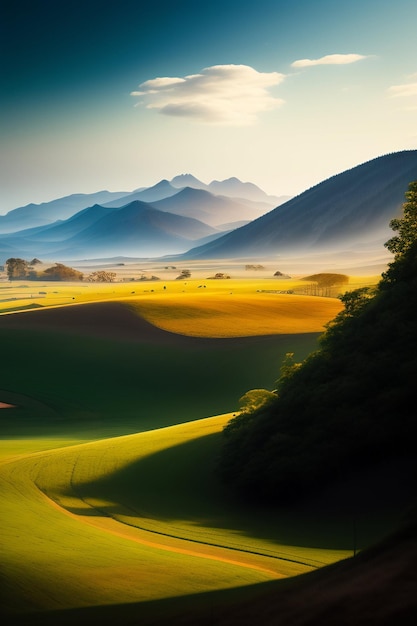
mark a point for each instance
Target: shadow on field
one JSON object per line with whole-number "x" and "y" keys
{"x": 376, "y": 588}
{"x": 102, "y": 365}
{"x": 179, "y": 487}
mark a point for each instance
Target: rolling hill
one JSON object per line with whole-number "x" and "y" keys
{"x": 349, "y": 209}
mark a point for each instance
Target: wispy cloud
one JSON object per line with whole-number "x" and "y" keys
{"x": 404, "y": 90}
{"x": 330, "y": 59}
{"x": 221, "y": 94}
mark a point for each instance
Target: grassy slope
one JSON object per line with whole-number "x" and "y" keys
{"x": 86, "y": 559}
{"x": 68, "y": 563}
{"x": 77, "y": 561}
{"x": 108, "y": 561}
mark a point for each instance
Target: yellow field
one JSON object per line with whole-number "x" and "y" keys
{"x": 205, "y": 308}
{"x": 237, "y": 315}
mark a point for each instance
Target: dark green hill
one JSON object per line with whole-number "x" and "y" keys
{"x": 350, "y": 405}
{"x": 100, "y": 363}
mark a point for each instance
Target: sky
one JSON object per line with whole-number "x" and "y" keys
{"x": 119, "y": 95}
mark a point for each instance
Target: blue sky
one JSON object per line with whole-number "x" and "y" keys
{"x": 117, "y": 95}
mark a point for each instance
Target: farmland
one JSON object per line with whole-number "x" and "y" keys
{"x": 109, "y": 490}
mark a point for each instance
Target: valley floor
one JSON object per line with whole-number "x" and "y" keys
{"x": 99, "y": 524}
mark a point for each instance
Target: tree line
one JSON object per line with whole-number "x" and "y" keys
{"x": 20, "y": 269}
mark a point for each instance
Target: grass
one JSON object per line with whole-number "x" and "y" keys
{"x": 83, "y": 561}
{"x": 64, "y": 563}
{"x": 147, "y": 521}
{"x": 85, "y": 381}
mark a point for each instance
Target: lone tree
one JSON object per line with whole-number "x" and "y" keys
{"x": 184, "y": 274}
{"x": 322, "y": 284}
{"x": 17, "y": 269}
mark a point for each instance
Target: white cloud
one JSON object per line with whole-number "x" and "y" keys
{"x": 406, "y": 90}
{"x": 403, "y": 91}
{"x": 222, "y": 94}
{"x": 329, "y": 59}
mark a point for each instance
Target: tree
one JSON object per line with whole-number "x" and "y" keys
{"x": 101, "y": 277}
{"x": 61, "y": 272}
{"x": 184, "y": 274}
{"x": 323, "y": 283}
{"x": 17, "y": 269}
{"x": 255, "y": 399}
{"x": 406, "y": 225}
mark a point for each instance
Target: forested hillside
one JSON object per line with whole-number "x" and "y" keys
{"x": 351, "y": 404}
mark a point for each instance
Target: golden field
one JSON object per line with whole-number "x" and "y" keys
{"x": 197, "y": 307}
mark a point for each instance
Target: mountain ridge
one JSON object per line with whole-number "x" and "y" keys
{"x": 136, "y": 228}
{"x": 349, "y": 208}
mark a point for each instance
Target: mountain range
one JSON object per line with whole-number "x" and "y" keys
{"x": 224, "y": 219}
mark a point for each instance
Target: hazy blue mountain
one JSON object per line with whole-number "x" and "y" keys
{"x": 136, "y": 229}
{"x": 234, "y": 188}
{"x": 187, "y": 180}
{"x": 350, "y": 208}
{"x": 33, "y": 215}
{"x": 163, "y": 189}
{"x": 73, "y": 225}
{"x": 139, "y": 229}
{"x": 45, "y": 240}
{"x": 208, "y": 208}
{"x": 36, "y": 215}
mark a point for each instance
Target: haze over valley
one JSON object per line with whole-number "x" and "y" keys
{"x": 225, "y": 219}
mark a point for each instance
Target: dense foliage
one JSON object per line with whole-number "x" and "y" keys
{"x": 351, "y": 403}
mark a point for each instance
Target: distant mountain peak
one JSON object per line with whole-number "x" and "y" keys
{"x": 187, "y": 180}
{"x": 232, "y": 179}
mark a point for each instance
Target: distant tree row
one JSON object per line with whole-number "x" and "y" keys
{"x": 20, "y": 269}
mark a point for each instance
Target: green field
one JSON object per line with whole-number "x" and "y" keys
{"x": 109, "y": 495}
